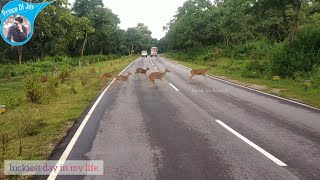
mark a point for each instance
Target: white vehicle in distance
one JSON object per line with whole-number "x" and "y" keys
{"x": 154, "y": 51}
{"x": 144, "y": 53}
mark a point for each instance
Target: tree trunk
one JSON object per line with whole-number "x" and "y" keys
{"x": 20, "y": 54}
{"x": 226, "y": 40}
{"x": 84, "y": 44}
{"x": 131, "y": 49}
{"x": 295, "y": 24}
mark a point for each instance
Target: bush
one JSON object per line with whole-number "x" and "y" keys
{"x": 34, "y": 90}
{"x": 254, "y": 69}
{"x": 315, "y": 78}
{"x": 12, "y": 102}
{"x": 64, "y": 75}
{"x": 52, "y": 84}
{"x": 300, "y": 55}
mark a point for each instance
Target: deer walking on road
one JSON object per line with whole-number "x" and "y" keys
{"x": 142, "y": 71}
{"x": 124, "y": 78}
{"x": 156, "y": 75}
{"x": 202, "y": 72}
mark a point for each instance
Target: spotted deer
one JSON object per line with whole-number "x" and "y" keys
{"x": 124, "y": 78}
{"x": 156, "y": 75}
{"x": 142, "y": 71}
{"x": 109, "y": 74}
{"x": 202, "y": 72}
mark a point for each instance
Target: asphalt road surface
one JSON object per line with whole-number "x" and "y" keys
{"x": 207, "y": 129}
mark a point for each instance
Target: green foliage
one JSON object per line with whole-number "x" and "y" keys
{"x": 301, "y": 55}
{"x": 64, "y": 75}
{"x": 255, "y": 68}
{"x": 12, "y": 102}
{"x": 89, "y": 28}
{"x": 315, "y": 77}
{"x": 33, "y": 89}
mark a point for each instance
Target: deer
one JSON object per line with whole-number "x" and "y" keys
{"x": 109, "y": 75}
{"x": 157, "y": 75}
{"x": 124, "y": 78}
{"x": 142, "y": 71}
{"x": 202, "y": 72}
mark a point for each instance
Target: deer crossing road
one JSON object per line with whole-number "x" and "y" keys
{"x": 204, "y": 129}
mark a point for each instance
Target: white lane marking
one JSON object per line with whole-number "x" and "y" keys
{"x": 53, "y": 175}
{"x": 174, "y": 87}
{"x": 278, "y": 97}
{"x": 270, "y": 156}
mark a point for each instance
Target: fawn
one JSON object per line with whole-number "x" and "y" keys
{"x": 157, "y": 75}
{"x": 124, "y": 78}
{"x": 202, "y": 72}
{"x": 142, "y": 71}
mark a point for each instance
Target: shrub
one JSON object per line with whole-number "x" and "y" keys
{"x": 85, "y": 78}
{"x": 315, "y": 78}
{"x": 34, "y": 90}
{"x": 52, "y": 84}
{"x": 64, "y": 75}
{"x": 12, "y": 102}
{"x": 254, "y": 69}
{"x": 301, "y": 55}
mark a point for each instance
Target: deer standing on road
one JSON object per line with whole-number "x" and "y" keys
{"x": 157, "y": 75}
{"x": 202, "y": 72}
{"x": 142, "y": 71}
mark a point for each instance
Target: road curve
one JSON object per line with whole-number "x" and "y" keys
{"x": 207, "y": 129}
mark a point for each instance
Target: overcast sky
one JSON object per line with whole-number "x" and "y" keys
{"x": 153, "y": 13}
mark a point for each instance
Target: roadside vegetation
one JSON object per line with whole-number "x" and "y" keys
{"x": 44, "y": 104}
{"x": 273, "y": 46}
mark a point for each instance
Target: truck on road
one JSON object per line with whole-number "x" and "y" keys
{"x": 154, "y": 52}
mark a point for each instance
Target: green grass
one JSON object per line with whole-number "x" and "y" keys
{"x": 233, "y": 70}
{"x": 41, "y": 126}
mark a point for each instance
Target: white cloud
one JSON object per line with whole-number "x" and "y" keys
{"x": 153, "y": 13}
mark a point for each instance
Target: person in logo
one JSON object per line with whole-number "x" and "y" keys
{"x": 17, "y": 32}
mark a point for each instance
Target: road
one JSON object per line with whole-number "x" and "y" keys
{"x": 207, "y": 129}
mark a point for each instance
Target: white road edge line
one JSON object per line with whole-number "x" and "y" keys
{"x": 289, "y": 100}
{"x": 262, "y": 151}
{"x": 53, "y": 175}
{"x": 175, "y": 88}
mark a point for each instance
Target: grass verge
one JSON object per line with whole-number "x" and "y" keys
{"x": 233, "y": 70}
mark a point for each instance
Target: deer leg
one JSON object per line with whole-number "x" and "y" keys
{"x": 149, "y": 83}
{"x": 129, "y": 83}
{"x": 137, "y": 74}
{"x": 116, "y": 83}
{"x": 205, "y": 78}
{"x": 154, "y": 84}
{"x": 190, "y": 78}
